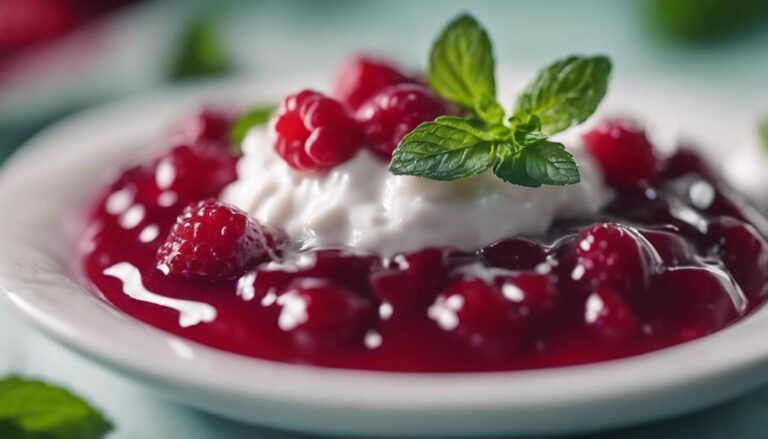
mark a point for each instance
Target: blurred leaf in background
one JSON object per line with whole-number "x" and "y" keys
{"x": 33, "y": 409}
{"x": 763, "y": 128}
{"x": 201, "y": 52}
{"x": 707, "y": 20}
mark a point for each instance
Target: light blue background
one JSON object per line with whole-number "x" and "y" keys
{"x": 275, "y": 38}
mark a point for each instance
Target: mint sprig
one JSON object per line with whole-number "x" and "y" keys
{"x": 518, "y": 149}
{"x": 446, "y": 149}
{"x": 461, "y": 67}
{"x": 566, "y": 93}
{"x": 33, "y": 409}
{"x": 543, "y": 162}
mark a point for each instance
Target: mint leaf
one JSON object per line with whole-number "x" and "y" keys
{"x": 567, "y": 92}
{"x": 35, "y": 409}
{"x": 446, "y": 149}
{"x": 461, "y": 68}
{"x": 252, "y": 118}
{"x": 549, "y": 163}
{"x": 510, "y": 166}
{"x": 200, "y": 52}
{"x": 527, "y": 129}
{"x": 489, "y": 110}
{"x": 545, "y": 162}
{"x": 529, "y": 137}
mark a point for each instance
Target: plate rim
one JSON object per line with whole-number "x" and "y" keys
{"x": 397, "y": 392}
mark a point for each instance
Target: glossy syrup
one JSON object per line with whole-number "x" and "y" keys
{"x": 699, "y": 234}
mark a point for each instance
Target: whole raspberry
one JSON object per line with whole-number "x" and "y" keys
{"x": 480, "y": 316}
{"x": 208, "y": 125}
{"x": 609, "y": 316}
{"x": 159, "y": 188}
{"x": 534, "y": 293}
{"x": 395, "y": 111}
{"x": 624, "y": 153}
{"x": 362, "y": 77}
{"x": 744, "y": 253}
{"x": 615, "y": 255}
{"x": 686, "y": 161}
{"x": 320, "y": 315}
{"x": 690, "y": 302}
{"x": 314, "y": 132}
{"x": 192, "y": 173}
{"x": 672, "y": 248}
{"x": 514, "y": 254}
{"x": 408, "y": 287}
{"x": 217, "y": 241}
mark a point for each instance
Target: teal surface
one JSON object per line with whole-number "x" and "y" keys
{"x": 278, "y": 38}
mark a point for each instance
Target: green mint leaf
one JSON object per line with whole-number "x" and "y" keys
{"x": 200, "y": 52}
{"x": 461, "y": 67}
{"x": 526, "y": 138}
{"x": 36, "y": 409}
{"x": 489, "y": 110}
{"x": 461, "y": 70}
{"x": 252, "y": 118}
{"x": 527, "y": 129}
{"x": 764, "y": 132}
{"x": 510, "y": 166}
{"x": 567, "y": 92}
{"x": 445, "y": 149}
{"x": 542, "y": 163}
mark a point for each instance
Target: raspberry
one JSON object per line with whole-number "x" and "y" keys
{"x": 136, "y": 186}
{"x": 690, "y": 300}
{"x": 623, "y": 152}
{"x": 614, "y": 255}
{"x": 343, "y": 267}
{"x": 562, "y": 262}
{"x": 395, "y": 111}
{"x": 320, "y": 315}
{"x": 209, "y": 125}
{"x": 481, "y": 317}
{"x": 347, "y": 268}
{"x": 686, "y": 161}
{"x": 672, "y": 248}
{"x": 427, "y": 267}
{"x": 515, "y": 254}
{"x": 609, "y": 316}
{"x": 411, "y": 286}
{"x": 744, "y": 252}
{"x": 264, "y": 285}
{"x": 535, "y": 294}
{"x": 214, "y": 240}
{"x": 193, "y": 173}
{"x": 314, "y": 132}
{"x": 161, "y": 187}
{"x": 362, "y": 77}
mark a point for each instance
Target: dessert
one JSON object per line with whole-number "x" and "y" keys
{"x": 400, "y": 226}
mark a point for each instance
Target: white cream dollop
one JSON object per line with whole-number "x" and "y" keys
{"x": 360, "y": 204}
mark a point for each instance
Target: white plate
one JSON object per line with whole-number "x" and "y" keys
{"x": 42, "y": 193}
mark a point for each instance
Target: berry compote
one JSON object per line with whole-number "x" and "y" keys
{"x": 673, "y": 257}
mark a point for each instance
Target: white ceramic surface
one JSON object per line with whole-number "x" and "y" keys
{"x": 42, "y": 193}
